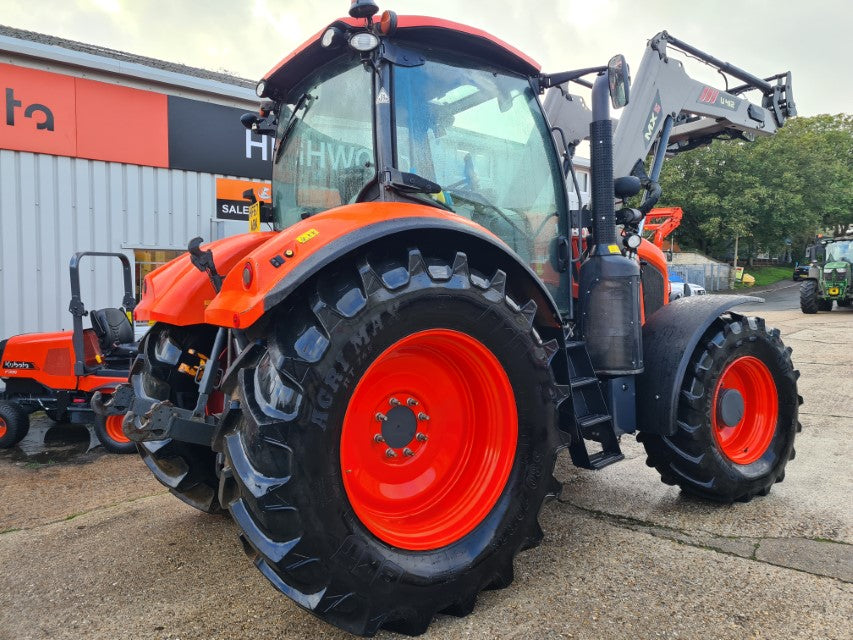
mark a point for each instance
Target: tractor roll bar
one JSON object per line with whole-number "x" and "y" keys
{"x": 78, "y": 309}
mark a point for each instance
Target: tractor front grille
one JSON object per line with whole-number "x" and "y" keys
{"x": 652, "y": 281}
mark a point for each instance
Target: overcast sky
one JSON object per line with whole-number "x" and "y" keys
{"x": 247, "y": 37}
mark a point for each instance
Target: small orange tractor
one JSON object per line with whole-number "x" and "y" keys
{"x": 59, "y": 372}
{"x": 376, "y": 389}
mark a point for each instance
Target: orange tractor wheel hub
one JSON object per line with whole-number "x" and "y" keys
{"x": 429, "y": 439}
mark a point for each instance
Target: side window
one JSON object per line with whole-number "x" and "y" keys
{"x": 326, "y": 156}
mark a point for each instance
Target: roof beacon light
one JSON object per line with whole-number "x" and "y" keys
{"x": 388, "y": 23}
{"x": 363, "y": 8}
{"x": 364, "y": 42}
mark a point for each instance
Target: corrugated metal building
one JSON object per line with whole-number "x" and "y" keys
{"x": 101, "y": 150}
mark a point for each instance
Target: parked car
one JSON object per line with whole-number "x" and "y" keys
{"x": 801, "y": 270}
{"x": 683, "y": 289}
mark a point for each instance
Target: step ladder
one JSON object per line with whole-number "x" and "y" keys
{"x": 592, "y": 419}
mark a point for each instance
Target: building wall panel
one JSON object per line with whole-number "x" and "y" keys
{"x": 53, "y": 206}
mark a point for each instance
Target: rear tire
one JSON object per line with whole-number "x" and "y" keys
{"x": 109, "y": 433}
{"x": 302, "y": 464}
{"x": 14, "y": 424}
{"x": 189, "y": 471}
{"x": 705, "y": 456}
{"x": 844, "y": 303}
{"x": 808, "y": 296}
{"x": 824, "y": 305}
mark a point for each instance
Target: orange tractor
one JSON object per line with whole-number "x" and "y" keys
{"x": 377, "y": 388}
{"x": 60, "y": 372}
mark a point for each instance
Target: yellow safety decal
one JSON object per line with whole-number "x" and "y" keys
{"x": 254, "y": 217}
{"x": 613, "y": 248}
{"x": 305, "y": 237}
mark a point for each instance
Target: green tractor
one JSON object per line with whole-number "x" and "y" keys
{"x": 833, "y": 280}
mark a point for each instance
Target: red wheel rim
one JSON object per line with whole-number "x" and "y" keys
{"x": 439, "y": 485}
{"x": 2, "y": 427}
{"x": 748, "y": 439}
{"x": 114, "y": 431}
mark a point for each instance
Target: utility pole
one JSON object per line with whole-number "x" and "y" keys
{"x": 732, "y": 275}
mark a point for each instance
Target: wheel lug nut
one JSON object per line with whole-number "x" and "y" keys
{"x": 411, "y": 402}
{"x": 423, "y": 416}
{"x": 381, "y": 417}
{"x": 378, "y": 438}
{"x": 421, "y": 437}
{"x": 408, "y": 452}
{"x": 389, "y": 453}
{"x": 394, "y": 402}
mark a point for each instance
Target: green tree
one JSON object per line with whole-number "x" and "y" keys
{"x": 777, "y": 190}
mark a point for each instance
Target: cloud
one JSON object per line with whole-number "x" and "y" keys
{"x": 248, "y": 38}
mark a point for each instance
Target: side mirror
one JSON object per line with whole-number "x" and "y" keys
{"x": 619, "y": 79}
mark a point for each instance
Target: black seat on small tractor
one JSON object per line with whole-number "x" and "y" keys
{"x": 115, "y": 333}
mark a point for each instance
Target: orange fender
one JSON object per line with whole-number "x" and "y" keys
{"x": 178, "y": 293}
{"x": 262, "y": 269}
{"x": 284, "y": 261}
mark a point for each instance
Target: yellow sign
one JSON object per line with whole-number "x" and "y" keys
{"x": 739, "y": 274}
{"x": 255, "y": 217}
{"x": 305, "y": 237}
{"x": 613, "y": 248}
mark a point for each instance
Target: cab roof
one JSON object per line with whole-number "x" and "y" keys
{"x": 423, "y": 30}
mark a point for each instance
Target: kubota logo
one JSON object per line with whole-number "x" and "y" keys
{"x": 16, "y": 364}
{"x": 13, "y": 105}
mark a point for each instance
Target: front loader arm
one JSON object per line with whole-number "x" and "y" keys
{"x": 698, "y": 112}
{"x": 670, "y": 109}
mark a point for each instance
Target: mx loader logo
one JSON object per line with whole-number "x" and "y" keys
{"x": 653, "y": 120}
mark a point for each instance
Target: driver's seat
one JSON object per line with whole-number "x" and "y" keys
{"x": 115, "y": 334}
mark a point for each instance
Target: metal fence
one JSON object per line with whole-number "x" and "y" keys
{"x": 714, "y": 277}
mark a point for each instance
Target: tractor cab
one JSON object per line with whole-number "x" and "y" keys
{"x": 423, "y": 111}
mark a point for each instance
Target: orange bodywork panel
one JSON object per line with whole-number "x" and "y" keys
{"x": 239, "y": 305}
{"x": 179, "y": 294}
{"x": 48, "y": 358}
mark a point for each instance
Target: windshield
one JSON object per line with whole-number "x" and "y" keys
{"x": 837, "y": 251}
{"x": 324, "y": 153}
{"x": 480, "y": 135}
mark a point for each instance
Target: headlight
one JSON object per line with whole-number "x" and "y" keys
{"x": 364, "y": 41}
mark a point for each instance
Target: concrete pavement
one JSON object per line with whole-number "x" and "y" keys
{"x": 93, "y": 547}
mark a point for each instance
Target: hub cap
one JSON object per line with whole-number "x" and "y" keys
{"x": 114, "y": 430}
{"x": 429, "y": 439}
{"x": 744, "y": 410}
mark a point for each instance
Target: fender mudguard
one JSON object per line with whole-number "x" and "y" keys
{"x": 670, "y": 337}
{"x": 273, "y": 270}
{"x": 178, "y": 293}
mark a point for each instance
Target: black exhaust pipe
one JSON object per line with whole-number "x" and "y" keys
{"x": 609, "y": 281}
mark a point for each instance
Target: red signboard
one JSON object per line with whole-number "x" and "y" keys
{"x": 67, "y": 116}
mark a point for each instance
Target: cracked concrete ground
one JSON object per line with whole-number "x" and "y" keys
{"x": 91, "y": 546}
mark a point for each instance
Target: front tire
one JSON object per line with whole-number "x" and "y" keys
{"x": 14, "y": 424}
{"x": 110, "y": 435}
{"x": 737, "y": 415}
{"x": 809, "y": 296}
{"x": 396, "y": 443}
